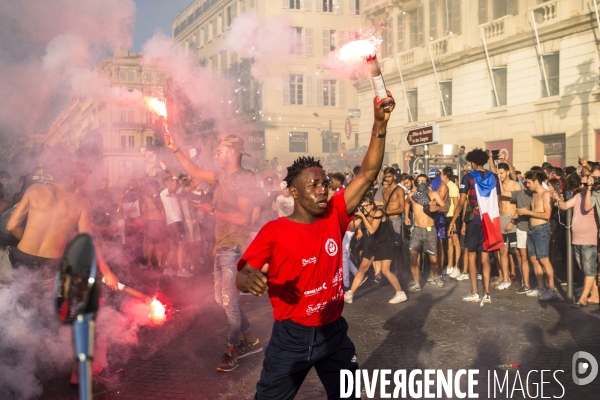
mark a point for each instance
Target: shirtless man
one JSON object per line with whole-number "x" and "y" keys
{"x": 424, "y": 236}
{"x": 54, "y": 214}
{"x": 538, "y": 236}
{"x": 156, "y": 224}
{"x": 507, "y": 220}
{"x": 393, "y": 199}
{"x": 440, "y": 218}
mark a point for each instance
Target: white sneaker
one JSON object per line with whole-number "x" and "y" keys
{"x": 348, "y": 297}
{"x": 398, "y": 298}
{"x": 448, "y": 271}
{"x": 485, "y": 299}
{"x": 184, "y": 274}
{"x": 479, "y": 277}
{"x": 537, "y": 292}
{"x": 504, "y": 285}
{"x": 169, "y": 272}
{"x": 430, "y": 278}
{"x": 549, "y": 295}
{"x": 455, "y": 273}
{"x": 472, "y": 298}
{"x": 463, "y": 277}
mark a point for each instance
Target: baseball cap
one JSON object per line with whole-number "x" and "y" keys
{"x": 235, "y": 142}
{"x": 432, "y": 173}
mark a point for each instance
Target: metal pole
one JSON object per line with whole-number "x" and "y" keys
{"x": 404, "y": 89}
{"x": 597, "y": 16}
{"x": 426, "y": 155}
{"x": 539, "y": 47}
{"x": 569, "y": 257}
{"x": 437, "y": 80}
{"x": 487, "y": 57}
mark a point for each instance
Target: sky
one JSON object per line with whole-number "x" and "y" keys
{"x": 155, "y": 14}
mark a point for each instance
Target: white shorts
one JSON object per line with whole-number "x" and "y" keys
{"x": 521, "y": 239}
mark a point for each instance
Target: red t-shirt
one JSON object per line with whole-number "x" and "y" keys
{"x": 305, "y": 265}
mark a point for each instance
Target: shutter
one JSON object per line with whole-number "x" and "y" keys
{"x": 306, "y": 4}
{"x": 420, "y": 25}
{"x": 483, "y": 12}
{"x": 352, "y": 7}
{"x": 308, "y": 89}
{"x": 319, "y": 5}
{"x": 455, "y": 24}
{"x": 400, "y": 30}
{"x": 342, "y": 93}
{"x": 319, "y": 92}
{"x": 286, "y": 4}
{"x": 286, "y": 90}
{"x": 512, "y": 7}
{"x": 308, "y": 41}
{"x": 339, "y": 6}
{"x": 326, "y": 42}
{"x": 433, "y": 31}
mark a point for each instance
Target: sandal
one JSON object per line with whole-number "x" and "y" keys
{"x": 578, "y": 305}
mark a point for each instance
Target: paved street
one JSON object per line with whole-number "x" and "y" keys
{"x": 434, "y": 329}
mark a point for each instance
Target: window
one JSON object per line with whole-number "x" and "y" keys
{"x": 243, "y": 5}
{"x": 499, "y": 75}
{"x": 123, "y": 76}
{"x": 205, "y": 38}
{"x": 551, "y": 70}
{"x": 149, "y": 141}
{"x": 412, "y": 99}
{"x": 214, "y": 27}
{"x": 148, "y": 77}
{"x": 296, "y": 89}
{"x": 329, "y": 92}
{"x": 130, "y": 117}
{"x": 130, "y": 76}
{"x": 400, "y": 42}
{"x": 453, "y": 18}
{"x": 123, "y": 141}
{"x": 433, "y": 22}
{"x": 122, "y": 117}
{"x": 498, "y": 9}
{"x": 330, "y": 141}
{"x": 388, "y": 40}
{"x": 293, "y": 4}
{"x": 148, "y": 118}
{"x": 228, "y": 16}
{"x": 446, "y": 90}
{"x": 131, "y": 142}
{"x": 296, "y": 46}
{"x": 328, "y": 41}
{"x": 354, "y": 7}
{"x": 327, "y": 5}
{"x": 298, "y": 142}
{"x": 416, "y": 27}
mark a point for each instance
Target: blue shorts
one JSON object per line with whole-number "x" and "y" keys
{"x": 538, "y": 241}
{"x": 587, "y": 258}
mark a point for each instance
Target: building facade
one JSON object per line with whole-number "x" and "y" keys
{"x": 302, "y": 111}
{"x": 517, "y": 75}
{"x": 121, "y": 138}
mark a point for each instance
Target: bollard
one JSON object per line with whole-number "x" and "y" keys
{"x": 569, "y": 256}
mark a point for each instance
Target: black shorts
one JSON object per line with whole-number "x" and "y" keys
{"x": 457, "y": 224}
{"x": 380, "y": 251}
{"x": 176, "y": 231}
{"x": 510, "y": 239}
{"x": 474, "y": 237}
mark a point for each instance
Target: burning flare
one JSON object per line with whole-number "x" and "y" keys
{"x": 156, "y": 106}
{"x": 157, "y": 311}
{"x": 357, "y": 50}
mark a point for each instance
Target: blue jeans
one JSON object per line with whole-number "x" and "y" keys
{"x": 347, "y": 264}
{"x": 227, "y": 294}
{"x": 538, "y": 241}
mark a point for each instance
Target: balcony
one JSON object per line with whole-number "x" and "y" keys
{"x": 441, "y": 47}
{"x": 555, "y": 11}
{"x": 407, "y": 58}
{"x": 499, "y": 29}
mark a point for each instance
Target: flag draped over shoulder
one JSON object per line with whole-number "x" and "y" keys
{"x": 487, "y": 200}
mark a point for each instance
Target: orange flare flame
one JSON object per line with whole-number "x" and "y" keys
{"x": 357, "y": 50}
{"x": 157, "y": 106}
{"x": 157, "y": 311}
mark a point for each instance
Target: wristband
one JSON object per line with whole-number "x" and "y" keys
{"x": 378, "y": 135}
{"x": 176, "y": 150}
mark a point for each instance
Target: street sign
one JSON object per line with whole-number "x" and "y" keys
{"x": 354, "y": 112}
{"x": 348, "y": 128}
{"x": 429, "y": 134}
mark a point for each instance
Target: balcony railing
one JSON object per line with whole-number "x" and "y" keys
{"x": 406, "y": 58}
{"x": 546, "y": 12}
{"x": 441, "y": 46}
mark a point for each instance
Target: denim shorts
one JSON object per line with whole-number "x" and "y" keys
{"x": 538, "y": 241}
{"x": 587, "y": 258}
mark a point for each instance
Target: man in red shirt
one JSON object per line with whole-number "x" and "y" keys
{"x": 305, "y": 282}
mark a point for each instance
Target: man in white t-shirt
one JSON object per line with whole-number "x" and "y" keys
{"x": 284, "y": 203}
{"x": 175, "y": 225}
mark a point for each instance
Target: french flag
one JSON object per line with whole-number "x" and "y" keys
{"x": 487, "y": 200}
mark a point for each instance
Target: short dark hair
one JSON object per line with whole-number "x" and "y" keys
{"x": 546, "y": 165}
{"x": 517, "y": 172}
{"x": 298, "y": 166}
{"x": 503, "y": 166}
{"x": 423, "y": 176}
{"x": 529, "y": 175}
{"x": 570, "y": 170}
{"x": 478, "y": 157}
{"x": 389, "y": 170}
{"x": 462, "y": 147}
{"x": 539, "y": 176}
{"x": 572, "y": 182}
{"x": 409, "y": 177}
{"x": 536, "y": 168}
{"x": 448, "y": 172}
{"x": 558, "y": 171}
{"x": 338, "y": 176}
{"x": 4, "y": 174}
{"x": 356, "y": 170}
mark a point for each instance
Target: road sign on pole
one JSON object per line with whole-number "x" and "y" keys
{"x": 348, "y": 128}
{"x": 429, "y": 134}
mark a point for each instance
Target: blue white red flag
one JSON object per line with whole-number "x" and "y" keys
{"x": 487, "y": 200}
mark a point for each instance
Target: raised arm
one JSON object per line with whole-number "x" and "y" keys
{"x": 15, "y": 221}
{"x": 371, "y": 227}
{"x": 188, "y": 166}
{"x": 374, "y": 157}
